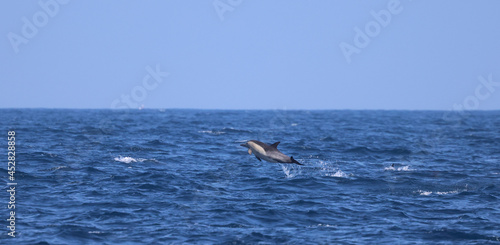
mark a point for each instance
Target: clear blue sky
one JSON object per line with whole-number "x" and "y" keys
{"x": 250, "y": 54}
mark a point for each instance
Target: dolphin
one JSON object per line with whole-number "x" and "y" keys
{"x": 269, "y": 153}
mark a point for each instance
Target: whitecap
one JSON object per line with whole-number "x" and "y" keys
{"x": 125, "y": 159}
{"x": 211, "y": 132}
{"x": 339, "y": 174}
{"x": 405, "y": 168}
{"x": 424, "y": 193}
{"x": 427, "y": 193}
{"x": 322, "y": 225}
{"x": 446, "y": 192}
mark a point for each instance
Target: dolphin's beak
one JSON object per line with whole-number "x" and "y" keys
{"x": 244, "y": 145}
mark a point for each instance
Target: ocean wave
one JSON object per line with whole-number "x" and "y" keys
{"x": 131, "y": 159}
{"x": 223, "y": 131}
{"x": 45, "y": 157}
{"x": 327, "y": 138}
{"x": 154, "y": 142}
{"x": 211, "y": 132}
{"x": 428, "y": 193}
{"x": 125, "y": 159}
{"x": 322, "y": 225}
{"x": 233, "y": 130}
{"x": 339, "y": 174}
{"x": 458, "y": 235}
{"x": 92, "y": 170}
{"x": 367, "y": 150}
{"x": 53, "y": 169}
{"x": 207, "y": 189}
{"x": 402, "y": 168}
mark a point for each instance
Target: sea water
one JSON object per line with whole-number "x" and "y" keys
{"x": 181, "y": 176}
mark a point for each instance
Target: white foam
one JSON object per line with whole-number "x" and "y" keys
{"x": 427, "y": 193}
{"x": 339, "y": 174}
{"x": 446, "y": 192}
{"x": 322, "y": 225}
{"x": 211, "y": 132}
{"x": 125, "y": 159}
{"x": 403, "y": 168}
{"x": 424, "y": 193}
{"x": 131, "y": 159}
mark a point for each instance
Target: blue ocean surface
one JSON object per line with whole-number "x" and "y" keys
{"x": 180, "y": 176}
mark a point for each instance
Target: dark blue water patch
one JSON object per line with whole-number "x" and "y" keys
{"x": 457, "y": 236}
{"x": 158, "y": 143}
{"x": 367, "y": 150}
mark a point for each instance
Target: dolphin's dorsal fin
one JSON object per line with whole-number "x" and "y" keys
{"x": 275, "y": 145}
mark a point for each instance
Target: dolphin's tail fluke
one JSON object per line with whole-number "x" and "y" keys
{"x": 294, "y": 161}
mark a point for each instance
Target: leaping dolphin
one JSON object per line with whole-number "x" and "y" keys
{"x": 269, "y": 153}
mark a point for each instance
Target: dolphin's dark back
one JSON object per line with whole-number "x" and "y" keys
{"x": 265, "y": 146}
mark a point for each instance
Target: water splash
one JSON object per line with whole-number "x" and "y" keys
{"x": 289, "y": 170}
{"x": 328, "y": 168}
{"x": 317, "y": 168}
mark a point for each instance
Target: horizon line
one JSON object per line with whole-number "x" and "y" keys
{"x": 222, "y": 109}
